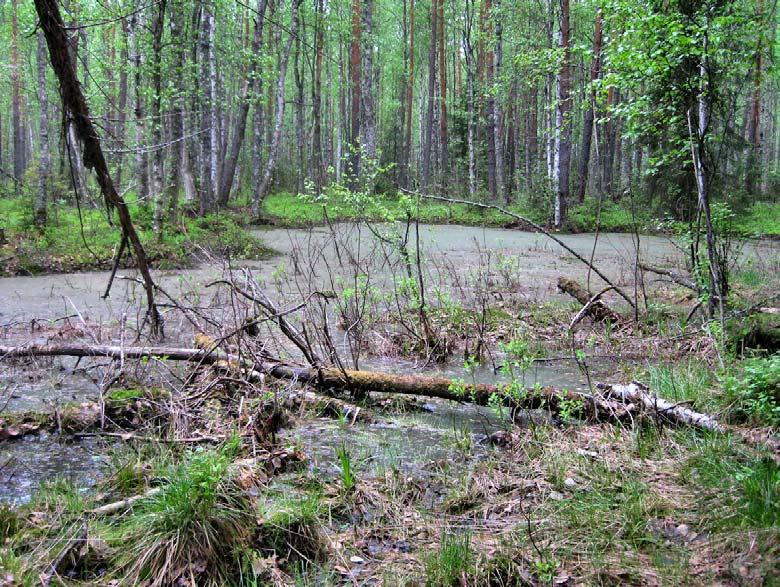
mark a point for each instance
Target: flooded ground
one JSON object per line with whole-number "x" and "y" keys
{"x": 31, "y": 307}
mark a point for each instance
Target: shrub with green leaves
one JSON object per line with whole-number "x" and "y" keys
{"x": 754, "y": 392}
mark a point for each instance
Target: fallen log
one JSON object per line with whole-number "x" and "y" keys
{"x": 592, "y": 305}
{"x": 617, "y": 404}
{"x": 665, "y": 409}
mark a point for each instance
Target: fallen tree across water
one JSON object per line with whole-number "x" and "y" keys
{"x": 615, "y": 403}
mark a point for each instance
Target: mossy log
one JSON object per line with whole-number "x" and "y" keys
{"x": 596, "y": 308}
{"x": 612, "y": 405}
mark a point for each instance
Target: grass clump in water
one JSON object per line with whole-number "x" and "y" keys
{"x": 194, "y": 527}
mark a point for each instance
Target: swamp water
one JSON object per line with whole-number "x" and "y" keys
{"x": 412, "y": 442}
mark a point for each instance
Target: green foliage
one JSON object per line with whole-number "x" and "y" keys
{"x": 348, "y": 480}
{"x": 452, "y": 564}
{"x": 290, "y": 529}
{"x": 761, "y": 490}
{"x": 739, "y": 489}
{"x": 754, "y": 391}
{"x": 60, "y": 246}
{"x": 197, "y": 522}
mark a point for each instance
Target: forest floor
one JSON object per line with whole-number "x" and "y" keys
{"x": 760, "y": 220}
{"x": 83, "y": 240}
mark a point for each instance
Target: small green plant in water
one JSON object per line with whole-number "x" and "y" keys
{"x": 348, "y": 480}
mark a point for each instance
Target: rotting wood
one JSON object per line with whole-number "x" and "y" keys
{"x": 674, "y": 412}
{"x": 617, "y": 402}
{"x": 591, "y": 305}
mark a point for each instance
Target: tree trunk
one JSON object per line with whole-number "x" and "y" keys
{"x": 563, "y": 122}
{"x": 409, "y": 111}
{"x": 425, "y": 175}
{"x": 299, "y": 129}
{"x": 273, "y": 149}
{"x": 248, "y": 95}
{"x": 355, "y": 87}
{"x": 319, "y": 42}
{"x": 73, "y": 101}
{"x": 141, "y": 155}
{"x": 443, "y": 136}
{"x": 753, "y": 171}
{"x": 489, "y": 60}
{"x": 626, "y": 402}
{"x": 178, "y": 150}
{"x": 44, "y": 166}
{"x": 589, "y": 116}
{"x": 496, "y": 110}
{"x": 16, "y": 102}
{"x": 368, "y": 141}
{"x": 157, "y": 124}
{"x": 121, "y": 104}
{"x": 470, "y": 98}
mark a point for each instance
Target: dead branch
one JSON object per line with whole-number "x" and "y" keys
{"x": 673, "y": 412}
{"x": 123, "y": 504}
{"x": 592, "y": 306}
{"x": 677, "y": 278}
{"x": 75, "y": 104}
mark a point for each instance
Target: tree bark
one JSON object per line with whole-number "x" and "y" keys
{"x": 425, "y": 175}
{"x": 443, "y": 135}
{"x": 179, "y": 149}
{"x": 299, "y": 122}
{"x": 73, "y": 101}
{"x": 600, "y": 408}
{"x": 157, "y": 123}
{"x": 407, "y": 154}
{"x": 273, "y": 148}
{"x": 368, "y": 141}
{"x": 355, "y": 88}
{"x": 119, "y": 130}
{"x": 16, "y": 102}
{"x": 248, "y": 95}
{"x": 589, "y": 116}
{"x": 563, "y": 122}
{"x": 496, "y": 111}
{"x": 44, "y": 167}
{"x": 141, "y": 155}
{"x": 319, "y": 42}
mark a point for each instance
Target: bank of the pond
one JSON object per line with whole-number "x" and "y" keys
{"x": 84, "y": 240}
{"x": 286, "y": 210}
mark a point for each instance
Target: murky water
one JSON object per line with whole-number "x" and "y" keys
{"x": 35, "y": 459}
{"x": 531, "y": 264}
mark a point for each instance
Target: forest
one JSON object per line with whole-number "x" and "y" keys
{"x": 372, "y": 292}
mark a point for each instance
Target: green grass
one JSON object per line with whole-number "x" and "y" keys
{"x": 60, "y": 246}
{"x": 290, "y": 210}
{"x": 736, "y": 488}
{"x": 452, "y": 564}
{"x": 197, "y": 523}
{"x": 760, "y": 219}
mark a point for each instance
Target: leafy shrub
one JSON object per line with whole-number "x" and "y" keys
{"x": 755, "y": 392}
